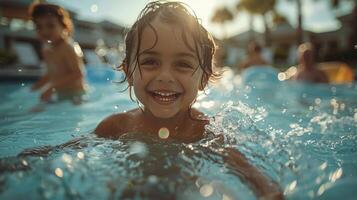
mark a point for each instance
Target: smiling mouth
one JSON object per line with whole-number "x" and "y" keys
{"x": 165, "y": 97}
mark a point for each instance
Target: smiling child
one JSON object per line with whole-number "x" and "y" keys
{"x": 169, "y": 58}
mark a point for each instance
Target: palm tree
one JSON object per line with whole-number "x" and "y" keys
{"x": 299, "y": 29}
{"x": 222, "y": 16}
{"x": 258, "y": 7}
{"x": 334, "y": 3}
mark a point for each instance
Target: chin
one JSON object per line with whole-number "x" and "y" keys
{"x": 164, "y": 115}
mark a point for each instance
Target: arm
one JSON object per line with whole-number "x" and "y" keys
{"x": 323, "y": 78}
{"x": 111, "y": 126}
{"x": 40, "y": 83}
{"x": 261, "y": 185}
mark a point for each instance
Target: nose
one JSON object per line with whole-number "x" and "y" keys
{"x": 165, "y": 75}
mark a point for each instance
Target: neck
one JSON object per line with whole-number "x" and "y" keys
{"x": 57, "y": 42}
{"x": 174, "y": 124}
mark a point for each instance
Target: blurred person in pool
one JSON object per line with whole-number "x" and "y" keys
{"x": 307, "y": 70}
{"x": 65, "y": 71}
{"x": 254, "y": 57}
{"x": 169, "y": 58}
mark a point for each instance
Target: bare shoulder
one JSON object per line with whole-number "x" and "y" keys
{"x": 198, "y": 122}
{"x": 109, "y": 127}
{"x": 116, "y": 125}
{"x": 196, "y": 114}
{"x": 68, "y": 49}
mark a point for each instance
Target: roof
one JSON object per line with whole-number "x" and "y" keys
{"x": 16, "y": 2}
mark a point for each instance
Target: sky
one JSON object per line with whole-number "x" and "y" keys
{"x": 318, "y": 15}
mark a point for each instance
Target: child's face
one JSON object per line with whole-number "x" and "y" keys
{"x": 170, "y": 74}
{"x": 49, "y": 29}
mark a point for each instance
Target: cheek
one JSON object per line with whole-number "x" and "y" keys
{"x": 139, "y": 80}
{"x": 195, "y": 79}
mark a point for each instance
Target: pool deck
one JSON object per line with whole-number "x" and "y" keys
{"x": 15, "y": 73}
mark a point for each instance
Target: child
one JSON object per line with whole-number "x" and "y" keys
{"x": 307, "y": 70}
{"x": 65, "y": 70}
{"x": 168, "y": 60}
{"x": 254, "y": 57}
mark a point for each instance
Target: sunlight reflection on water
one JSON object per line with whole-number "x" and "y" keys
{"x": 302, "y": 136}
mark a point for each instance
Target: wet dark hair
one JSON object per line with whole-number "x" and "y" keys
{"x": 177, "y": 14}
{"x": 45, "y": 9}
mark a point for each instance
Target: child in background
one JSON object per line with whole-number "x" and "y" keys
{"x": 254, "y": 57}
{"x": 65, "y": 71}
{"x": 307, "y": 70}
{"x": 169, "y": 58}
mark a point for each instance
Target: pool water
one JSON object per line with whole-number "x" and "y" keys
{"x": 302, "y": 136}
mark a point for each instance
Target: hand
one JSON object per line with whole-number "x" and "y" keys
{"x": 46, "y": 96}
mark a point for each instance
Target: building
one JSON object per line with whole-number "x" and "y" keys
{"x": 283, "y": 43}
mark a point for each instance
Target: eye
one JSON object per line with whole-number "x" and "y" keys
{"x": 184, "y": 65}
{"x": 149, "y": 62}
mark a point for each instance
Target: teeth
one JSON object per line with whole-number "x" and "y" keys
{"x": 165, "y": 94}
{"x": 164, "y": 99}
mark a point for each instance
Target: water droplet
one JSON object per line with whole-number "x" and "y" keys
{"x": 19, "y": 70}
{"x": 292, "y": 186}
{"x": 59, "y": 172}
{"x": 139, "y": 149}
{"x": 24, "y": 163}
{"x": 67, "y": 158}
{"x": 152, "y": 179}
{"x": 164, "y": 133}
{"x": 80, "y": 155}
{"x": 336, "y": 175}
{"x": 323, "y": 187}
{"x": 116, "y": 107}
{"x": 282, "y": 76}
{"x": 323, "y": 166}
{"x": 317, "y": 101}
{"x": 206, "y": 190}
{"x": 22, "y": 84}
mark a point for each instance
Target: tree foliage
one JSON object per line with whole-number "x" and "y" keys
{"x": 258, "y": 7}
{"x": 222, "y": 15}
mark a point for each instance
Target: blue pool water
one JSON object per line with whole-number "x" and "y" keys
{"x": 303, "y": 136}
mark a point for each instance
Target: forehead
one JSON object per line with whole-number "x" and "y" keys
{"x": 165, "y": 36}
{"x": 43, "y": 19}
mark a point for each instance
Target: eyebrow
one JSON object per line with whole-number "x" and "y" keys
{"x": 183, "y": 54}
{"x": 180, "y": 54}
